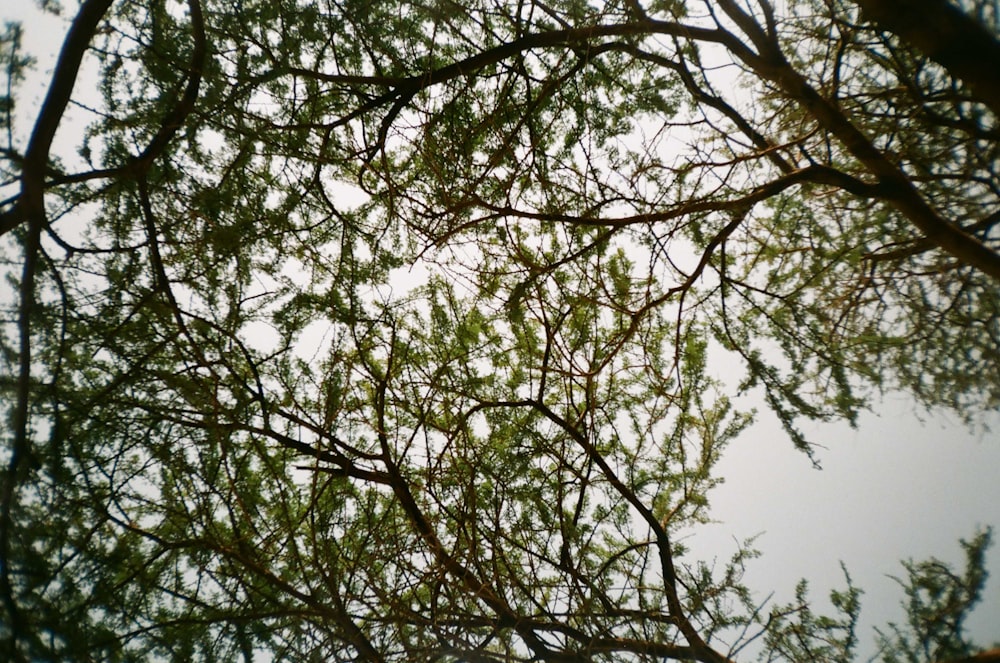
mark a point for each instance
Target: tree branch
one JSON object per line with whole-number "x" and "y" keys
{"x": 31, "y": 208}
{"x": 947, "y": 35}
{"x": 898, "y": 189}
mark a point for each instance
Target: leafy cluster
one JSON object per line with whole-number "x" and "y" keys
{"x": 390, "y": 331}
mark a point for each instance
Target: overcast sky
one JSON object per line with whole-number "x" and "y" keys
{"x": 897, "y": 487}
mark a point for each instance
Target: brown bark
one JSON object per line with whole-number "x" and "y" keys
{"x": 31, "y": 209}
{"x": 946, "y": 35}
{"x": 898, "y": 190}
{"x": 991, "y": 656}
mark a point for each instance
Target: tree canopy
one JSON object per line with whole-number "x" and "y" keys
{"x": 410, "y": 330}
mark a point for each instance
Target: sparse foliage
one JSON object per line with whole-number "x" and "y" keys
{"x": 938, "y": 600}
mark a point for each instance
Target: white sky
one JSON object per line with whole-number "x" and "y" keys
{"x": 897, "y": 487}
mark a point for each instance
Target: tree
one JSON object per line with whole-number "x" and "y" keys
{"x": 234, "y": 437}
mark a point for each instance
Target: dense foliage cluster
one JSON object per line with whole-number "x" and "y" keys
{"x": 389, "y": 331}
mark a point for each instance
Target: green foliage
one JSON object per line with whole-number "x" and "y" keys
{"x": 796, "y": 633}
{"x": 938, "y": 600}
{"x": 350, "y": 330}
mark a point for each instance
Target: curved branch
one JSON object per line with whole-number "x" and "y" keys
{"x": 175, "y": 119}
{"x": 408, "y": 87}
{"x": 897, "y": 189}
{"x": 947, "y": 35}
{"x": 59, "y": 93}
{"x": 49, "y": 118}
{"x": 31, "y": 208}
{"x": 815, "y": 174}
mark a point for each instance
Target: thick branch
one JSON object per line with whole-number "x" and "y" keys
{"x": 991, "y": 656}
{"x": 31, "y": 208}
{"x": 947, "y": 35}
{"x": 55, "y": 105}
{"x": 175, "y": 119}
{"x": 899, "y": 191}
{"x": 815, "y": 174}
{"x": 49, "y": 118}
{"x": 408, "y": 87}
